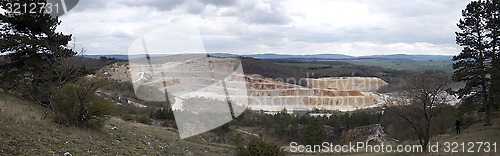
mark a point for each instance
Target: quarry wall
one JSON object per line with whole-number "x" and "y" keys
{"x": 202, "y": 77}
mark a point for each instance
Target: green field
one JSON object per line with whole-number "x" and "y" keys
{"x": 406, "y": 64}
{"x": 305, "y": 65}
{"x": 396, "y": 64}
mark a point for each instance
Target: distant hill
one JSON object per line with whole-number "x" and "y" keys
{"x": 257, "y": 56}
{"x": 287, "y": 56}
{"x": 308, "y": 57}
{"x": 118, "y": 56}
{"x": 410, "y": 57}
{"x": 122, "y": 57}
{"x": 347, "y": 57}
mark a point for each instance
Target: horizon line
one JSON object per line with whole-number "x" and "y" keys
{"x": 281, "y": 54}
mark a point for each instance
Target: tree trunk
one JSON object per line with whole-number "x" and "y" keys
{"x": 487, "y": 121}
{"x": 427, "y": 136}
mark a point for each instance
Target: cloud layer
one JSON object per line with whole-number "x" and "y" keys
{"x": 352, "y": 27}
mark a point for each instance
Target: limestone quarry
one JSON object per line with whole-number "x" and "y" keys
{"x": 223, "y": 79}
{"x": 271, "y": 95}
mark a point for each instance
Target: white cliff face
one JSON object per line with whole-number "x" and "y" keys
{"x": 211, "y": 91}
{"x": 363, "y": 84}
{"x": 325, "y": 93}
{"x": 202, "y": 77}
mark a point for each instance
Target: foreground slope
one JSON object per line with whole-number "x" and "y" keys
{"x": 23, "y": 131}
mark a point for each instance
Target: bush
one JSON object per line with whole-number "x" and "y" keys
{"x": 163, "y": 114}
{"x": 314, "y": 133}
{"x": 127, "y": 117}
{"x": 77, "y": 104}
{"x": 444, "y": 121}
{"x": 168, "y": 123}
{"x": 258, "y": 146}
{"x": 144, "y": 120}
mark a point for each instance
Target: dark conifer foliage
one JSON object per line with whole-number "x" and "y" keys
{"x": 478, "y": 36}
{"x": 494, "y": 27}
{"x": 35, "y": 53}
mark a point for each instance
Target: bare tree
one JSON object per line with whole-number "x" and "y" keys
{"x": 423, "y": 96}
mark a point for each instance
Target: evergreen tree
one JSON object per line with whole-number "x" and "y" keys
{"x": 258, "y": 146}
{"x": 473, "y": 64}
{"x": 493, "y": 27}
{"x": 314, "y": 133}
{"x": 35, "y": 52}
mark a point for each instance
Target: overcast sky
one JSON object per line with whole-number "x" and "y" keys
{"x": 351, "y": 27}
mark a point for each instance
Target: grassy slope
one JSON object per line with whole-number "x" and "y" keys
{"x": 23, "y": 132}
{"x": 475, "y": 133}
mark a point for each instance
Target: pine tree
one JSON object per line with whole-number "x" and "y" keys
{"x": 314, "y": 133}
{"x": 35, "y": 53}
{"x": 493, "y": 27}
{"x": 474, "y": 64}
{"x": 259, "y": 146}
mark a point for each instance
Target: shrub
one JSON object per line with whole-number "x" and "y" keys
{"x": 144, "y": 120}
{"x": 77, "y": 104}
{"x": 168, "y": 123}
{"x": 163, "y": 114}
{"x": 127, "y": 117}
{"x": 258, "y": 146}
{"x": 314, "y": 133}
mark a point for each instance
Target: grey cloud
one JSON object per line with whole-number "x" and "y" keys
{"x": 414, "y": 8}
{"x": 163, "y": 5}
{"x": 123, "y": 34}
{"x": 264, "y": 13}
{"x": 267, "y": 23}
{"x": 327, "y": 35}
{"x": 414, "y": 21}
{"x": 265, "y": 18}
{"x": 324, "y": 35}
{"x": 191, "y": 6}
{"x": 223, "y": 45}
{"x": 250, "y": 12}
{"x": 410, "y": 21}
{"x": 195, "y": 7}
{"x": 220, "y": 2}
{"x": 270, "y": 12}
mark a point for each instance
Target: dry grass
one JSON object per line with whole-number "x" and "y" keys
{"x": 476, "y": 133}
{"x": 22, "y": 110}
{"x": 23, "y": 132}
